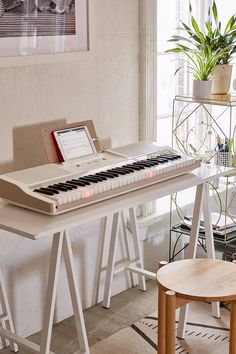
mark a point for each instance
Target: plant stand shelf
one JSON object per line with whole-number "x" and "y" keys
{"x": 226, "y": 244}
{"x": 196, "y": 125}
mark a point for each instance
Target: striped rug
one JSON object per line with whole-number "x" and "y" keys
{"x": 204, "y": 335}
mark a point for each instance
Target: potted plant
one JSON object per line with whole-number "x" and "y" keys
{"x": 214, "y": 40}
{"x": 201, "y": 64}
{"x": 221, "y": 39}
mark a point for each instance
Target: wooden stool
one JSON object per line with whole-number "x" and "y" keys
{"x": 190, "y": 280}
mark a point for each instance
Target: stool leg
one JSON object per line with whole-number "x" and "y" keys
{"x": 161, "y": 315}
{"x": 170, "y": 322}
{"x": 232, "y": 341}
{"x": 161, "y": 321}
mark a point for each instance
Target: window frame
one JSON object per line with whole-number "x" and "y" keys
{"x": 148, "y": 65}
{"x": 148, "y": 119}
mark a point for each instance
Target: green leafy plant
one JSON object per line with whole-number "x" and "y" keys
{"x": 212, "y": 41}
{"x": 221, "y": 39}
{"x": 200, "y": 63}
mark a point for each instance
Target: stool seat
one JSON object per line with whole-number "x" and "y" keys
{"x": 193, "y": 280}
{"x": 200, "y": 279}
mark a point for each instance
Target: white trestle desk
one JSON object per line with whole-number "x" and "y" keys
{"x": 12, "y": 219}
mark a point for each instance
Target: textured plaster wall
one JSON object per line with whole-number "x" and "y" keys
{"x": 105, "y": 88}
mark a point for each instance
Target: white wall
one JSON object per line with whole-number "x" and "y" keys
{"x": 104, "y": 88}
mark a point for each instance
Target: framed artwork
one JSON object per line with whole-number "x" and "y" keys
{"x": 30, "y": 28}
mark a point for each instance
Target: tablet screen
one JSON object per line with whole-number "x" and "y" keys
{"x": 74, "y": 142}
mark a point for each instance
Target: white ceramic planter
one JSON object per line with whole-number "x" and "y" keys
{"x": 221, "y": 79}
{"x": 202, "y": 89}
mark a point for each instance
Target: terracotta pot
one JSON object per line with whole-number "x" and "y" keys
{"x": 202, "y": 89}
{"x": 221, "y": 79}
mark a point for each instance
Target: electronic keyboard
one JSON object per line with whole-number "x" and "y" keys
{"x": 57, "y": 188}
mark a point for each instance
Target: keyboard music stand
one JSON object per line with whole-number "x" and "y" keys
{"x": 38, "y": 226}
{"x": 48, "y": 143}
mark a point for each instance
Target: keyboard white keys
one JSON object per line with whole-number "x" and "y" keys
{"x": 119, "y": 176}
{"x": 70, "y": 189}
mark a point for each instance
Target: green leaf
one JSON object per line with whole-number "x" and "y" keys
{"x": 172, "y": 40}
{"x": 209, "y": 26}
{"x": 215, "y": 12}
{"x": 197, "y": 39}
{"x": 230, "y": 23}
{"x": 174, "y": 50}
{"x": 231, "y": 34}
{"x": 202, "y": 38}
{"x": 181, "y": 38}
{"x": 182, "y": 46}
{"x": 190, "y": 58}
{"x": 177, "y": 70}
{"x": 195, "y": 25}
{"x": 186, "y": 27}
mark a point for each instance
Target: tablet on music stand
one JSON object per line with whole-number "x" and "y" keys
{"x": 73, "y": 143}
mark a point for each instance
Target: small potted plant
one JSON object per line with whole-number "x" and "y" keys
{"x": 219, "y": 38}
{"x": 201, "y": 64}
{"x": 210, "y": 42}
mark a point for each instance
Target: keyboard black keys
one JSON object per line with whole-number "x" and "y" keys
{"x": 55, "y": 191}
{"x": 89, "y": 179}
{"x": 119, "y": 170}
{"x": 87, "y": 183}
{"x": 101, "y": 176}
{"x": 43, "y": 192}
{"x": 160, "y": 160}
{"x": 129, "y": 169}
{"x": 99, "y": 179}
{"x": 58, "y": 187}
{"x": 144, "y": 163}
{"x": 69, "y": 188}
{"x": 109, "y": 174}
{"x": 136, "y": 168}
{"x": 76, "y": 183}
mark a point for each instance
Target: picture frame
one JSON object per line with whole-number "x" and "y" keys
{"x": 51, "y": 48}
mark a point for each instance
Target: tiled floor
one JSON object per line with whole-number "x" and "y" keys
{"x": 127, "y": 308}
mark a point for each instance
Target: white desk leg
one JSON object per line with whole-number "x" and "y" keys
{"x": 191, "y": 251}
{"x": 137, "y": 247}
{"x": 75, "y": 295}
{"x": 208, "y": 224}
{"x": 209, "y": 240}
{"x": 104, "y": 235}
{"x": 51, "y": 292}
{"x": 125, "y": 236}
{"x": 111, "y": 260}
{"x": 192, "y": 248}
{"x": 7, "y": 321}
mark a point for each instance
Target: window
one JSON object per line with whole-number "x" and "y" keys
{"x": 168, "y": 20}
{"x": 168, "y": 16}
{"x": 168, "y": 23}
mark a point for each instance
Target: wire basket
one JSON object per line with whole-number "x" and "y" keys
{"x": 223, "y": 158}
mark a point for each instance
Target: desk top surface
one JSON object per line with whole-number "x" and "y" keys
{"x": 35, "y": 225}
